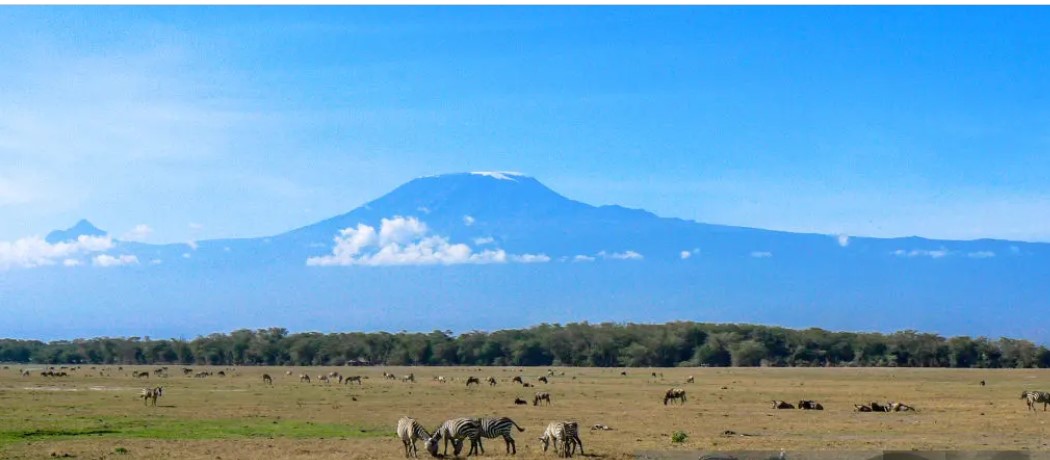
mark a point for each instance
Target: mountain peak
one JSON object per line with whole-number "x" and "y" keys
{"x": 81, "y": 228}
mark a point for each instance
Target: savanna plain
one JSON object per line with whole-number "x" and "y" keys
{"x": 97, "y": 411}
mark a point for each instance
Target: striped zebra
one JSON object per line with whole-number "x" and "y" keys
{"x": 500, "y": 426}
{"x": 572, "y": 437}
{"x": 409, "y": 430}
{"x": 556, "y": 431}
{"x": 455, "y": 430}
{"x": 1032, "y": 398}
{"x": 151, "y": 394}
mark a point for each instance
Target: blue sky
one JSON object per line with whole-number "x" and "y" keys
{"x": 203, "y": 122}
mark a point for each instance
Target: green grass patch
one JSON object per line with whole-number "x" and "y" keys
{"x": 160, "y": 428}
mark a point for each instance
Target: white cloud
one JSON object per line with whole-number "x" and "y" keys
{"x": 761, "y": 254}
{"x": 36, "y": 252}
{"x": 192, "y": 244}
{"x": 980, "y": 254}
{"x": 501, "y": 175}
{"x": 106, "y": 260}
{"x": 687, "y": 254}
{"x": 583, "y": 258}
{"x": 139, "y": 233}
{"x": 483, "y": 241}
{"x": 626, "y": 255}
{"x": 934, "y": 254}
{"x": 843, "y": 240}
{"x": 71, "y": 262}
{"x": 406, "y": 241}
{"x": 468, "y": 221}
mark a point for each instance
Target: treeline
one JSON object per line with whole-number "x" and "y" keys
{"x": 575, "y": 344}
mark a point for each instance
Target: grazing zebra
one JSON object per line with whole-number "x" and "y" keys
{"x": 674, "y": 394}
{"x": 455, "y": 430}
{"x": 409, "y": 378}
{"x": 267, "y": 379}
{"x": 491, "y": 380}
{"x": 409, "y": 430}
{"x": 690, "y": 379}
{"x": 1032, "y": 398}
{"x": 777, "y": 404}
{"x": 541, "y": 396}
{"x": 473, "y": 380}
{"x": 810, "y": 405}
{"x": 543, "y": 379}
{"x": 501, "y": 426}
{"x": 556, "y": 431}
{"x": 151, "y": 394}
{"x": 353, "y": 378}
{"x": 304, "y": 378}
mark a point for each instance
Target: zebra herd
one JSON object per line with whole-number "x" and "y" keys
{"x": 564, "y": 434}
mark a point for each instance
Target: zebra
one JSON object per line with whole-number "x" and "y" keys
{"x": 352, "y": 378}
{"x": 491, "y": 380}
{"x": 674, "y": 394}
{"x": 409, "y": 430}
{"x": 455, "y": 430}
{"x": 267, "y": 379}
{"x": 304, "y": 378}
{"x": 151, "y": 394}
{"x": 556, "y": 431}
{"x": 1032, "y": 398}
{"x": 541, "y": 396}
{"x": 473, "y": 380}
{"x": 501, "y": 426}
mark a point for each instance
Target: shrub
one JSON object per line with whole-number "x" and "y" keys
{"x": 679, "y": 437}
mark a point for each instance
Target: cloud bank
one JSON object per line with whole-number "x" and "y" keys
{"x": 34, "y": 251}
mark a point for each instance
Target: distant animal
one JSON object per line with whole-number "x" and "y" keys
{"x": 600, "y": 427}
{"x": 1033, "y": 398}
{"x": 527, "y": 384}
{"x": 25, "y": 373}
{"x": 543, "y": 379}
{"x": 304, "y": 378}
{"x": 876, "y": 407}
{"x": 541, "y": 396}
{"x": 409, "y": 430}
{"x": 654, "y": 375}
{"x": 674, "y": 394}
{"x": 267, "y": 379}
{"x": 353, "y": 378}
{"x": 555, "y": 432}
{"x": 221, "y": 374}
{"x": 861, "y": 408}
{"x": 455, "y": 430}
{"x": 690, "y": 379}
{"x": 323, "y": 378}
{"x": 491, "y": 380}
{"x": 151, "y": 394}
{"x": 550, "y": 373}
{"x": 624, "y": 373}
{"x": 900, "y": 407}
{"x": 982, "y": 383}
{"x": 777, "y": 404}
{"x": 520, "y": 401}
{"x": 287, "y": 372}
{"x": 142, "y": 374}
{"x": 409, "y": 378}
{"x": 516, "y": 379}
{"x": 473, "y": 380}
{"x": 810, "y": 405}
{"x": 499, "y": 426}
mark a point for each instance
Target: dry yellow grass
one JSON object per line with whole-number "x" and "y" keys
{"x": 90, "y": 416}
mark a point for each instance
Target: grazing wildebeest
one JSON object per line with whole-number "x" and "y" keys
{"x": 541, "y": 396}
{"x": 499, "y": 426}
{"x": 520, "y": 401}
{"x": 221, "y": 373}
{"x": 139, "y": 375}
{"x": 1032, "y": 398}
{"x": 409, "y": 378}
{"x": 473, "y": 380}
{"x": 304, "y": 378}
{"x": 624, "y": 373}
{"x": 491, "y": 380}
{"x": 287, "y": 372}
{"x": 25, "y": 373}
{"x": 455, "y": 430}
{"x": 527, "y": 384}
{"x": 353, "y": 378}
{"x": 777, "y": 404}
{"x": 550, "y": 373}
{"x": 690, "y": 379}
{"x": 654, "y": 375}
{"x": 810, "y": 405}
{"x": 323, "y": 378}
{"x": 982, "y": 383}
{"x": 409, "y": 430}
{"x": 861, "y": 408}
{"x": 151, "y": 394}
{"x": 267, "y": 379}
{"x": 674, "y": 394}
{"x": 543, "y": 379}
{"x": 516, "y": 379}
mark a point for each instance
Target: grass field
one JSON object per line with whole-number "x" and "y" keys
{"x": 87, "y": 415}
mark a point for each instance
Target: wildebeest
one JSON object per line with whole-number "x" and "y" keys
{"x": 409, "y": 378}
{"x": 1032, "y": 398}
{"x": 304, "y": 378}
{"x": 409, "y": 430}
{"x": 777, "y": 404}
{"x": 491, "y": 380}
{"x": 516, "y": 379}
{"x": 287, "y": 372}
{"x": 876, "y": 407}
{"x": 541, "y": 396}
{"x": 473, "y": 380}
{"x": 674, "y": 394}
{"x": 810, "y": 405}
{"x": 352, "y": 378}
{"x": 543, "y": 379}
{"x": 527, "y": 384}
{"x": 690, "y": 379}
{"x": 861, "y": 408}
{"x": 520, "y": 401}
{"x": 900, "y": 407}
{"x": 982, "y": 383}
{"x": 149, "y": 394}
{"x": 323, "y": 378}
{"x": 139, "y": 375}
{"x": 623, "y": 373}
{"x": 267, "y": 379}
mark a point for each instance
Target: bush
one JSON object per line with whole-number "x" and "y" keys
{"x": 678, "y": 437}
{"x": 121, "y": 451}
